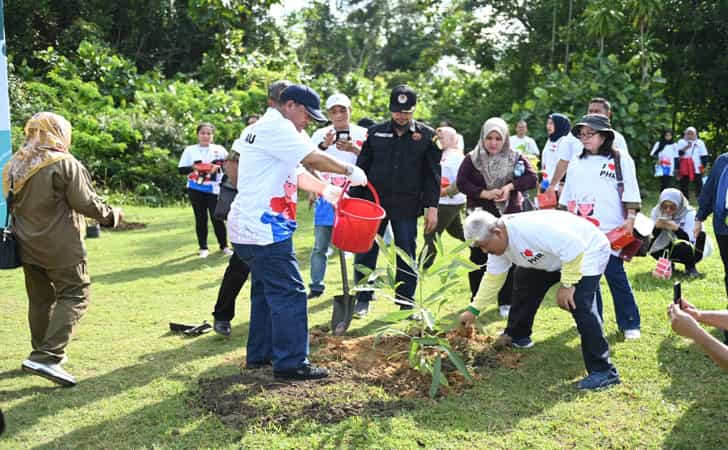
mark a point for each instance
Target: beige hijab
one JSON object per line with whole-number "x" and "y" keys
{"x": 497, "y": 170}
{"x": 47, "y": 140}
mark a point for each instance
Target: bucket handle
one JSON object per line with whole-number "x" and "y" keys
{"x": 369, "y": 185}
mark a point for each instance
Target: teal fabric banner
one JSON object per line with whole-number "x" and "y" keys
{"x": 5, "y": 142}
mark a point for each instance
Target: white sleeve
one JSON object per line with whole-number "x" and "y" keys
{"x": 703, "y": 149}
{"x": 654, "y": 149}
{"x": 620, "y": 143}
{"x": 689, "y": 225}
{"x": 532, "y": 147}
{"x": 318, "y": 136}
{"x": 568, "y": 148}
{"x": 185, "y": 160}
{"x": 497, "y": 264}
{"x": 461, "y": 142}
{"x": 631, "y": 192}
{"x": 289, "y": 145}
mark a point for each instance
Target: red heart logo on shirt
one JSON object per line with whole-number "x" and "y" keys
{"x": 528, "y": 252}
{"x": 611, "y": 166}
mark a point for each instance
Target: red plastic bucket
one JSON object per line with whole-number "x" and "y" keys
{"x": 356, "y": 222}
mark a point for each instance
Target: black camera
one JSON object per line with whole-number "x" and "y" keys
{"x": 343, "y": 135}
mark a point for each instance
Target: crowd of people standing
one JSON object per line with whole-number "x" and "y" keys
{"x": 481, "y": 195}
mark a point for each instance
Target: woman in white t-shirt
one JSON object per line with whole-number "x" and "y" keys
{"x": 452, "y": 201}
{"x": 560, "y": 145}
{"x": 693, "y": 159}
{"x": 202, "y": 164}
{"x": 665, "y": 151}
{"x": 592, "y": 192}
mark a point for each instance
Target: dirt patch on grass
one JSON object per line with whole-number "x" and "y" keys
{"x": 365, "y": 380}
{"x": 128, "y": 226}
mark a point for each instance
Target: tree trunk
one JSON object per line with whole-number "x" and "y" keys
{"x": 568, "y": 35}
{"x": 553, "y": 37}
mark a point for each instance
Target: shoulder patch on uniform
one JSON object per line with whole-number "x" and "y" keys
{"x": 380, "y": 134}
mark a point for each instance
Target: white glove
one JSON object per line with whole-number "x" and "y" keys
{"x": 358, "y": 177}
{"x": 331, "y": 193}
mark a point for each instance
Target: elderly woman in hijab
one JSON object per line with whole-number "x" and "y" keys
{"x": 51, "y": 193}
{"x": 674, "y": 224}
{"x": 493, "y": 177}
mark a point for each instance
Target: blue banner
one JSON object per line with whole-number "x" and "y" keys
{"x": 5, "y": 142}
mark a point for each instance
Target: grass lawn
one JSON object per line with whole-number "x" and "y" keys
{"x": 137, "y": 382}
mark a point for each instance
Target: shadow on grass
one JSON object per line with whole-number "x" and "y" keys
{"x": 698, "y": 381}
{"x": 174, "y": 266}
{"x": 152, "y": 367}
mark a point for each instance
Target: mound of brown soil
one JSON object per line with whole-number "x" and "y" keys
{"x": 365, "y": 380}
{"x": 127, "y": 226}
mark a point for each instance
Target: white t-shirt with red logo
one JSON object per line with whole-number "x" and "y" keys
{"x": 547, "y": 238}
{"x": 450, "y": 163}
{"x": 566, "y": 147}
{"x": 665, "y": 159}
{"x": 591, "y": 190}
{"x": 264, "y": 210}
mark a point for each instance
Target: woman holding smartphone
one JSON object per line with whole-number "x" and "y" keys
{"x": 674, "y": 224}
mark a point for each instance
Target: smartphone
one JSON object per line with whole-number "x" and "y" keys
{"x": 676, "y": 293}
{"x": 342, "y": 135}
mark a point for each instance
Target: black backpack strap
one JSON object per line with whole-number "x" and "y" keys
{"x": 620, "y": 179}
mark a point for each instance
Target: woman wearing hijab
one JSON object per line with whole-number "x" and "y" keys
{"x": 493, "y": 176}
{"x": 665, "y": 151}
{"x": 693, "y": 159}
{"x": 674, "y": 224}
{"x": 51, "y": 194}
{"x": 593, "y": 192}
{"x": 561, "y": 147}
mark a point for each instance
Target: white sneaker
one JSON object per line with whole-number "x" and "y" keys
{"x": 204, "y": 253}
{"x": 329, "y": 252}
{"x": 504, "y": 310}
{"x": 348, "y": 255}
{"x": 64, "y": 360}
{"x": 632, "y": 334}
{"x": 228, "y": 251}
{"x": 53, "y": 372}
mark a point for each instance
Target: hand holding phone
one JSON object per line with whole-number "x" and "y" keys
{"x": 677, "y": 293}
{"x": 342, "y": 135}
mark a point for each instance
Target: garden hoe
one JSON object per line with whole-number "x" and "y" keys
{"x": 343, "y": 304}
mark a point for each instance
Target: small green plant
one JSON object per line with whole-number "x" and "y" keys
{"x": 428, "y": 343}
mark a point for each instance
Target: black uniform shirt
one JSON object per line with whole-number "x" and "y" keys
{"x": 405, "y": 170}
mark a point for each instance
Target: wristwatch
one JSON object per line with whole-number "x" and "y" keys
{"x": 322, "y": 146}
{"x": 567, "y": 285}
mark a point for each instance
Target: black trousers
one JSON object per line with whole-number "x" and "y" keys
{"x": 448, "y": 219}
{"x": 685, "y": 252}
{"x": 665, "y": 182}
{"x": 232, "y": 282}
{"x": 477, "y": 256}
{"x": 723, "y": 248}
{"x": 685, "y": 185}
{"x": 203, "y": 204}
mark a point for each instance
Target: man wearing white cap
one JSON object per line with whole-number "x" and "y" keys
{"x": 343, "y": 141}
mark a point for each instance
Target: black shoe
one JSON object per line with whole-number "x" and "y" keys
{"x": 250, "y": 365}
{"x": 692, "y": 273}
{"x": 308, "y": 372}
{"x": 222, "y": 327}
{"x": 314, "y": 294}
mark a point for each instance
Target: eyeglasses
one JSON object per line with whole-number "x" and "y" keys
{"x": 587, "y": 134}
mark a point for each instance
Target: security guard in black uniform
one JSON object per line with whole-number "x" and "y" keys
{"x": 402, "y": 160}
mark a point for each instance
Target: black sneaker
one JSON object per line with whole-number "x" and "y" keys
{"x": 250, "y": 365}
{"x": 307, "y": 372}
{"x": 693, "y": 273}
{"x": 314, "y": 294}
{"x": 222, "y": 327}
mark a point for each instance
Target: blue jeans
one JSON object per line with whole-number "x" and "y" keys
{"x": 405, "y": 237}
{"x": 278, "y": 329}
{"x": 322, "y": 240}
{"x": 530, "y": 287}
{"x": 625, "y": 306}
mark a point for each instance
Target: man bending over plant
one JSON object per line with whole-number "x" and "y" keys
{"x": 547, "y": 247}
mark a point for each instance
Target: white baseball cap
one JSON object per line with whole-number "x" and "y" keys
{"x": 338, "y": 100}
